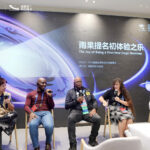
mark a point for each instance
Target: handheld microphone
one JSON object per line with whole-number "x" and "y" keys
{"x": 80, "y": 93}
{"x": 50, "y": 91}
{"x": 115, "y": 93}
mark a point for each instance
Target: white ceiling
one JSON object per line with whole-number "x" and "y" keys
{"x": 135, "y": 8}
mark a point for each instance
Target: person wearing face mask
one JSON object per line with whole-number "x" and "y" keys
{"x": 82, "y": 106}
{"x": 8, "y": 116}
{"x": 120, "y": 104}
{"x": 38, "y": 104}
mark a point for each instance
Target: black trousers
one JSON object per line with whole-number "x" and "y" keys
{"x": 8, "y": 121}
{"x": 76, "y": 116}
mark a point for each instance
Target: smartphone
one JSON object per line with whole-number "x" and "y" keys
{"x": 6, "y": 96}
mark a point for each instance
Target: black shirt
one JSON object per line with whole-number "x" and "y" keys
{"x": 110, "y": 95}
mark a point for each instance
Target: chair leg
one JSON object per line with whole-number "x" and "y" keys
{"x": 53, "y": 136}
{"x": 149, "y": 117}
{"x": 16, "y": 137}
{"x": 109, "y": 122}
{"x": 26, "y": 138}
{"x": 53, "y": 139}
{"x": 105, "y": 123}
{"x": 82, "y": 142}
{"x": 26, "y": 132}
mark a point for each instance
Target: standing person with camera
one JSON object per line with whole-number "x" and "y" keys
{"x": 38, "y": 104}
{"x": 82, "y": 106}
{"x": 120, "y": 104}
{"x": 7, "y": 114}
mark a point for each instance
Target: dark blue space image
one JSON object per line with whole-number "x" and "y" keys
{"x": 28, "y": 58}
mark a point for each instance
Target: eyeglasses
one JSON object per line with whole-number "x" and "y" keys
{"x": 43, "y": 82}
{"x": 78, "y": 81}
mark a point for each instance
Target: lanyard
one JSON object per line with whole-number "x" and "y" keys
{"x": 36, "y": 97}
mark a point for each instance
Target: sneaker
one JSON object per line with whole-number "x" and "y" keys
{"x": 38, "y": 148}
{"x": 73, "y": 147}
{"x": 93, "y": 143}
{"x": 48, "y": 147}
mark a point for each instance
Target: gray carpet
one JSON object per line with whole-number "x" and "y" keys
{"x": 61, "y": 138}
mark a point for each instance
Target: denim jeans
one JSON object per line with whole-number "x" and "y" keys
{"x": 45, "y": 118}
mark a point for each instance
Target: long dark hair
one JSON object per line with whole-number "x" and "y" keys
{"x": 125, "y": 93}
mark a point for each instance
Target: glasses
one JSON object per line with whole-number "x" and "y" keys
{"x": 43, "y": 82}
{"x": 78, "y": 81}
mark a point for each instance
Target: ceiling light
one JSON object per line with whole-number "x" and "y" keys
{"x": 93, "y": 2}
{"x": 25, "y": 7}
{"x": 141, "y": 5}
{"x": 14, "y": 8}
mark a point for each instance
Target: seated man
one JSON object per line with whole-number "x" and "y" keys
{"x": 7, "y": 114}
{"x": 38, "y": 104}
{"x": 82, "y": 105}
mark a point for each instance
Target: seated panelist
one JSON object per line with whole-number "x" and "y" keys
{"x": 82, "y": 105}
{"x": 120, "y": 104}
{"x": 8, "y": 116}
{"x": 38, "y": 105}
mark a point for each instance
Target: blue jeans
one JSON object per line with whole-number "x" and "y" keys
{"x": 45, "y": 118}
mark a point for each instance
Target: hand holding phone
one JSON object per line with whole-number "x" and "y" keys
{"x": 6, "y": 99}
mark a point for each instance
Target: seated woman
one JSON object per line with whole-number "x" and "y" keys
{"x": 120, "y": 105}
{"x": 7, "y": 114}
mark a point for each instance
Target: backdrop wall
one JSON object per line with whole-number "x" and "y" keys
{"x": 61, "y": 46}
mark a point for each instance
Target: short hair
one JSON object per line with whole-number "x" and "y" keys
{"x": 2, "y": 81}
